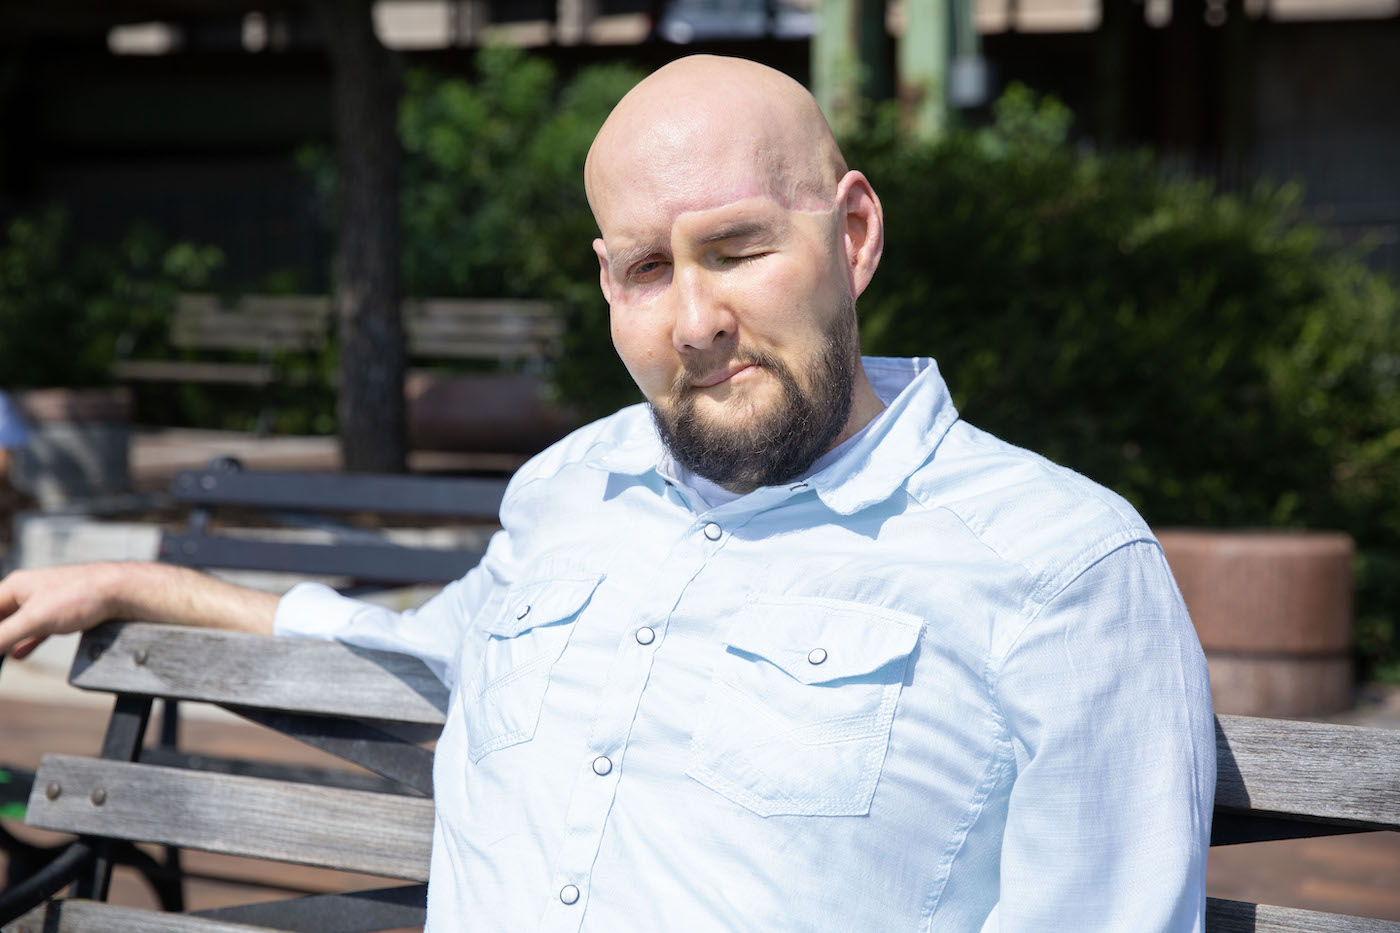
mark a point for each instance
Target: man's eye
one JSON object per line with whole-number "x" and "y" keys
{"x": 648, "y": 270}
{"x": 739, "y": 260}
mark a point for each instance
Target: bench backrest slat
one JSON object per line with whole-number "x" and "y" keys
{"x": 1224, "y": 916}
{"x": 499, "y": 328}
{"x": 363, "y": 831}
{"x": 78, "y": 916}
{"x": 365, "y": 562}
{"x": 1318, "y": 770}
{"x": 268, "y": 489}
{"x": 285, "y": 674}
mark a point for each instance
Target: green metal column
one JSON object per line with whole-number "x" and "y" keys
{"x": 922, "y": 63}
{"x": 849, "y": 61}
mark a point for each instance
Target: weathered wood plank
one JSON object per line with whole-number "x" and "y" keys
{"x": 459, "y": 497}
{"x": 73, "y": 916}
{"x": 291, "y": 674}
{"x": 379, "y": 834}
{"x": 1307, "y": 768}
{"x": 1224, "y": 916}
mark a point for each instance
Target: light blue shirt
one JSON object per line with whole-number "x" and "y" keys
{"x": 14, "y": 433}
{"x": 942, "y": 684}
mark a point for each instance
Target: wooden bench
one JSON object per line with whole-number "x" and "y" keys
{"x": 267, "y": 507}
{"x": 1278, "y": 779}
{"x": 516, "y": 334}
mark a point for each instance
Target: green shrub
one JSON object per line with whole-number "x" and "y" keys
{"x": 1213, "y": 357}
{"x": 66, "y": 313}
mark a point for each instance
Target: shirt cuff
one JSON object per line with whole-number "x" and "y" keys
{"x": 314, "y": 610}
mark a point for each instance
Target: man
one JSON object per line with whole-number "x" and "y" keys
{"x": 792, "y": 647}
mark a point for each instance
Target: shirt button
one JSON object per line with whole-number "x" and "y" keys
{"x": 816, "y": 656}
{"x": 713, "y": 531}
{"x": 602, "y": 765}
{"x": 646, "y": 635}
{"x": 522, "y": 612}
{"x": 569, "y": 894}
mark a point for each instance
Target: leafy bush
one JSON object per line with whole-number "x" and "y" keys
{"x": 1212, "y": 357}
{"x": 67, "y": 313}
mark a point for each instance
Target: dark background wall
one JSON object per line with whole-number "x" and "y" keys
{"x": 201, "y": 142}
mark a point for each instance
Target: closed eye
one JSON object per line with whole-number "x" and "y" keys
{"x": 737, "y": 260}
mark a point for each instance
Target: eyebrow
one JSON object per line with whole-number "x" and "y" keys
{"x": 631, "y": 254}
{"x": 737, "y": 231}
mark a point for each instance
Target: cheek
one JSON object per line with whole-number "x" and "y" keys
{"x": 644, "y": 346}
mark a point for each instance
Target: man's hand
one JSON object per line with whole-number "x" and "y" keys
{"x": 35, "y": 604}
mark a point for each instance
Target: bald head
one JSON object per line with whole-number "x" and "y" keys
{"x": 707, "y": 130}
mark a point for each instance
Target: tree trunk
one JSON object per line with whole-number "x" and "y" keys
{"x": 370, "y": 406}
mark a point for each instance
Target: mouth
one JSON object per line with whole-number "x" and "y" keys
{"x": 724, "y": 375}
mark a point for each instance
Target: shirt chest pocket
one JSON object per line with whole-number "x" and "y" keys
{"x": 797, "y": 719}
{"x": 526, "y": 636}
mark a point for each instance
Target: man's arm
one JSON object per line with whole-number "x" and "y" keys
{"x": 35, "y": 604}
{"x": 1107, "y": 703}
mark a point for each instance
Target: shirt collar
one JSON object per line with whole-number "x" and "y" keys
{"x": 918, "y": 412}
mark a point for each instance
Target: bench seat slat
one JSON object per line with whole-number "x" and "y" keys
{"x": 1319, "y": 770}
{"x": 289, "y": 674}
{"x": 351, "y": 830}
{"x": 76, "y": 916}
{"x": 1224, "y": 916}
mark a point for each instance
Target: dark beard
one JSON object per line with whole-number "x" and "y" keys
{"x": 782, "y": 446}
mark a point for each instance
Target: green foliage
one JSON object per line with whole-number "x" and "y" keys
{"x": 493, "y": 201}
{"x": 1213, "y": 357}
{"x": 66, "y": 312}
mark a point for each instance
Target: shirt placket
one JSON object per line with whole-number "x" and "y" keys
{"x": 603, "y": 764}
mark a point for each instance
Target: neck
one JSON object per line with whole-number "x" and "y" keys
{"x": 865, "y": 405}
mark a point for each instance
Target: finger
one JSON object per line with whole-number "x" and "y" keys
{"x": 15, "y": 629}
{"x": 26, "y": 646}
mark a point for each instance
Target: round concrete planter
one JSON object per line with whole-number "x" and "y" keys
{"x": 78, "y": 444}
{"x": 1273, "y": 612}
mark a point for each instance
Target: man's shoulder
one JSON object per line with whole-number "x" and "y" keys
{"x": 625, "y": 432}
{"x": 1042, "y": 516}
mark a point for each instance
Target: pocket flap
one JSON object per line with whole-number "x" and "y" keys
{"x": 819, "y": 640}
{"x": 530, "y": 604}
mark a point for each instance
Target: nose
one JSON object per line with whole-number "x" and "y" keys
{"x": 702, "y": 317}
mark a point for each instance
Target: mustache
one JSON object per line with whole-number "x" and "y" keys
{"x": 694, "y": 368}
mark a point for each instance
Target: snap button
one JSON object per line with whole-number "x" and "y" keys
{"x": 569, "y": 894}
{"x": 646, "y": 635}
{"x": 713, "y": 531}
{"x": 602, "y": 765}
{"x": 816, "y": 656}
{"x": 522, "y": 612}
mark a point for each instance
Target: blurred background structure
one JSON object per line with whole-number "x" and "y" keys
{"x": 1155, "y": 240}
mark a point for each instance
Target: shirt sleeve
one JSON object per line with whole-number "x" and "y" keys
{"x": 1107, "y": 704}
{"x": 432, "y": 633}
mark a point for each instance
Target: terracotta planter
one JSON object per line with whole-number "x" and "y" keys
{"x": 1273, "y": 612}
{"x": 78, "y": 444}
{"x": 504, "y": 413}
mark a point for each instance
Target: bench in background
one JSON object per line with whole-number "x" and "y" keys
{"x": 516, "y": 334}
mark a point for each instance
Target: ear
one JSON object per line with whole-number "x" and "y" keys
{"x": 862, "y": 229}
{"x": 604, "y": 281}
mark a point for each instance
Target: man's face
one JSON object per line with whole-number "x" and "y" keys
{"x": 732, "y": 313}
